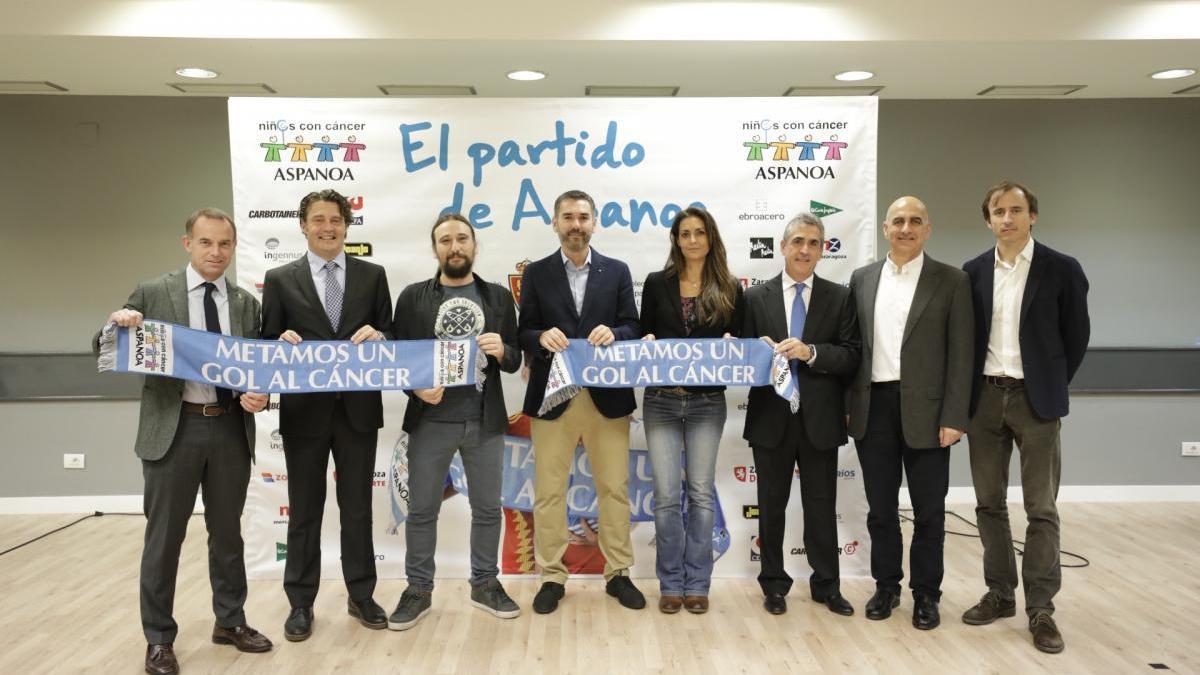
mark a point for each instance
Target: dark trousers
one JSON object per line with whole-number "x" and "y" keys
{"x": 208, "y": 454}
{"x": 818, "y": 495}
{"x": 1003, "y": 416}
{"x": 307, "y": 464}
{"x": 885, "y": 458}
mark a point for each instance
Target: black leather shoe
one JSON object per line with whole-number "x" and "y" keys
{"x": 881, "y": 604}
{"x": 621, "y": 588}
{"x": 775, "y": 603}
{"x": 245, "y": 638}
{"x": 839, "y": 605}
{"x": 160, "y": 660}
{"x": 1045, "y": 633}
{"x": 925, "y": 612}
{"x": 547, "y": 597}
{"x": 368, "y": 613}
{"x": 298, "y": 626}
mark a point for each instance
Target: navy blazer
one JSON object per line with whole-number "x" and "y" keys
{"x": 1054, "y": 329}
{"x": 546, "y": 302}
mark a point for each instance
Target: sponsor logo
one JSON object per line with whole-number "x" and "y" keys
{"x": 356, "y": 203}
{"x": 379, "y": 479}
{"x": 833, "y": 245}
{"x": 285, "y": 513}
{"x": 822, "y": 210}
{"x": 745, "y": 474}
{"x": 280, "y": 551}
{"x": 755, "y": 548}
{"x": 285, "y": 510}
{"x": 817, "y": 172}
{"x": 274, "y": 477}
{"x": 363, "y": 249}
{"x": 292, "y": 174}
{"x": 282, "y": 256}
{"x": 769, "y": 142}
{"x": 762, "y": 247}
{"x": 750, "y": 511}
{"x": 272, "y": 243}
{"x": 326, "y": 149}
{"x": 514, "y": 280}
{"x": 356, "y": 220}
{"x": 273, "y": 405}
{"x": 846, "y": 474}
{"x": 849, "y": 548}
{"x": 762, "y": 216}
{"x": 269, "y": 213}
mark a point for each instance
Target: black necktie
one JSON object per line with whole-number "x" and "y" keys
{"x": 212, "y": 323}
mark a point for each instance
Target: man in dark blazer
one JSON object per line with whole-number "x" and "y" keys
{"x": 812, "y": 322}
{"x": 1031, "y": 333}
{"x": 577, "y": 293}
{"x": 327, "y": 295}
{"x": 192, "y": 436}
{"x": 908, "y": 403}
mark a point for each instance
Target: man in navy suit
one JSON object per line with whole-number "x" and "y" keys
{"x": 1031, "y": 333}
{"x": 577, "y": 293}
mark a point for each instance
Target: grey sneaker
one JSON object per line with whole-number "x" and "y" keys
{"x": 413, "y": 605}
{"x": 491, "y": 598}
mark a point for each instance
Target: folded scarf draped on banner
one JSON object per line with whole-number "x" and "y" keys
{"x": 671, "y": 363}
{"x": 277, "y": 367}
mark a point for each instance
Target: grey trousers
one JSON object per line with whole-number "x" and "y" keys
{"x": 431, "y": 448}
{"x": 208, "y": 454}
{"x": 1003, "y": 416}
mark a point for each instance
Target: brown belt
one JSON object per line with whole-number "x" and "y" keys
{"x": 208, "y": 410}
{"x": 1003, "y": 381}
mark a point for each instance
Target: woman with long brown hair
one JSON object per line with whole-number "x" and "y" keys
{"x": 694, "y": 296}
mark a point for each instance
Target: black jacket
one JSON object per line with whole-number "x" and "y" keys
{"x": 1054, "y": 329}
{"x": 662, "y": 313}
{"x": 416, "y": 310}
{"x": 832, "y": 329}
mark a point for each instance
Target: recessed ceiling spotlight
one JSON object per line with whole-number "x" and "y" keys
{"x": 854, "y": 75}
{"x": 526, "y": 75}
{"x": 197, "y": 73}
{"x": 1173, "y": 73}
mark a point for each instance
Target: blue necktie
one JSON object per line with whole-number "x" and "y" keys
{"x": 799, "y": 314}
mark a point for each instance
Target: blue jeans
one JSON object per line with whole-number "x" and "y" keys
{"x": 683, "y": 427}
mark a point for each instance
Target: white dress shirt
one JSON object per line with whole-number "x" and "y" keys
{"x": 317, "y": 264}
{"x": 196, "y": 392}
{"x": 893, "y": 300}
{"x": 1008, "y": 289}
{"x": 577, "y": 277}
{"x": 789, "y": 295}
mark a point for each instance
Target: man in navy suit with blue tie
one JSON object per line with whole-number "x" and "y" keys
{"x": 1031, "y": 333}
{"x": 577, "y": 293}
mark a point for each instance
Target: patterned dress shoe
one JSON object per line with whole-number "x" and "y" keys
{"x": 245, "y": 638}
{"x": 160, "y": 660}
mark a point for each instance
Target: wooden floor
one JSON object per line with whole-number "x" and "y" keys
{"x": 70, "y": 604}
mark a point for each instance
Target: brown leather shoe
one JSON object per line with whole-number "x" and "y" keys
{"x": 245, "y": 638}
{"x": 696, "y": 604}
{"x": 1045, "y": 634}
{"x": 160, "y": 660}
{"x": 670, "y": 604}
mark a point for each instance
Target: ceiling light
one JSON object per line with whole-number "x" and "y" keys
{"x": 859, "y": 90}
{"x": 526, "y": 75}
{"x": 426, "y": 90}
{"x": 196, "y": 73}
{"x": 1173, "y": 73}
{"x": 854, "y": 75}
{"x": 1031, "y": 90}
{"x": 628, "y": 91}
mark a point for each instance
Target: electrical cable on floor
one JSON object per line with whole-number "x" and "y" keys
{"x": 1085, "y": 562}
{"x": 97, "y": 514}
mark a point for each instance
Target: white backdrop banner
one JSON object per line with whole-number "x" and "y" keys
{"x": 754, "y": 163}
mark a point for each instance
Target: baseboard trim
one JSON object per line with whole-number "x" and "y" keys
{"x": 76, "y": 504}
{"x": 957, "y": 495}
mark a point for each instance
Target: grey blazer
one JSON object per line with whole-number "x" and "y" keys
{"x": 936, "y": 355}
{"x": 165, "y": 299}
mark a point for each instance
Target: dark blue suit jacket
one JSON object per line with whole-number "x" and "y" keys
{"x": 546, "y": 303}
{"x": 1054, "y": 329}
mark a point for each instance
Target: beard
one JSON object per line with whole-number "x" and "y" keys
{"x": 459, "y": 268}
{"x": 573, "y": 243}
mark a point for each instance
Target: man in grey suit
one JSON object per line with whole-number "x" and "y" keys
{"x": 909, "y": 403}
{"x": 195, "y": 436}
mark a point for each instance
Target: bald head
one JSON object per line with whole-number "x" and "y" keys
{"x": 906, "y": 227}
